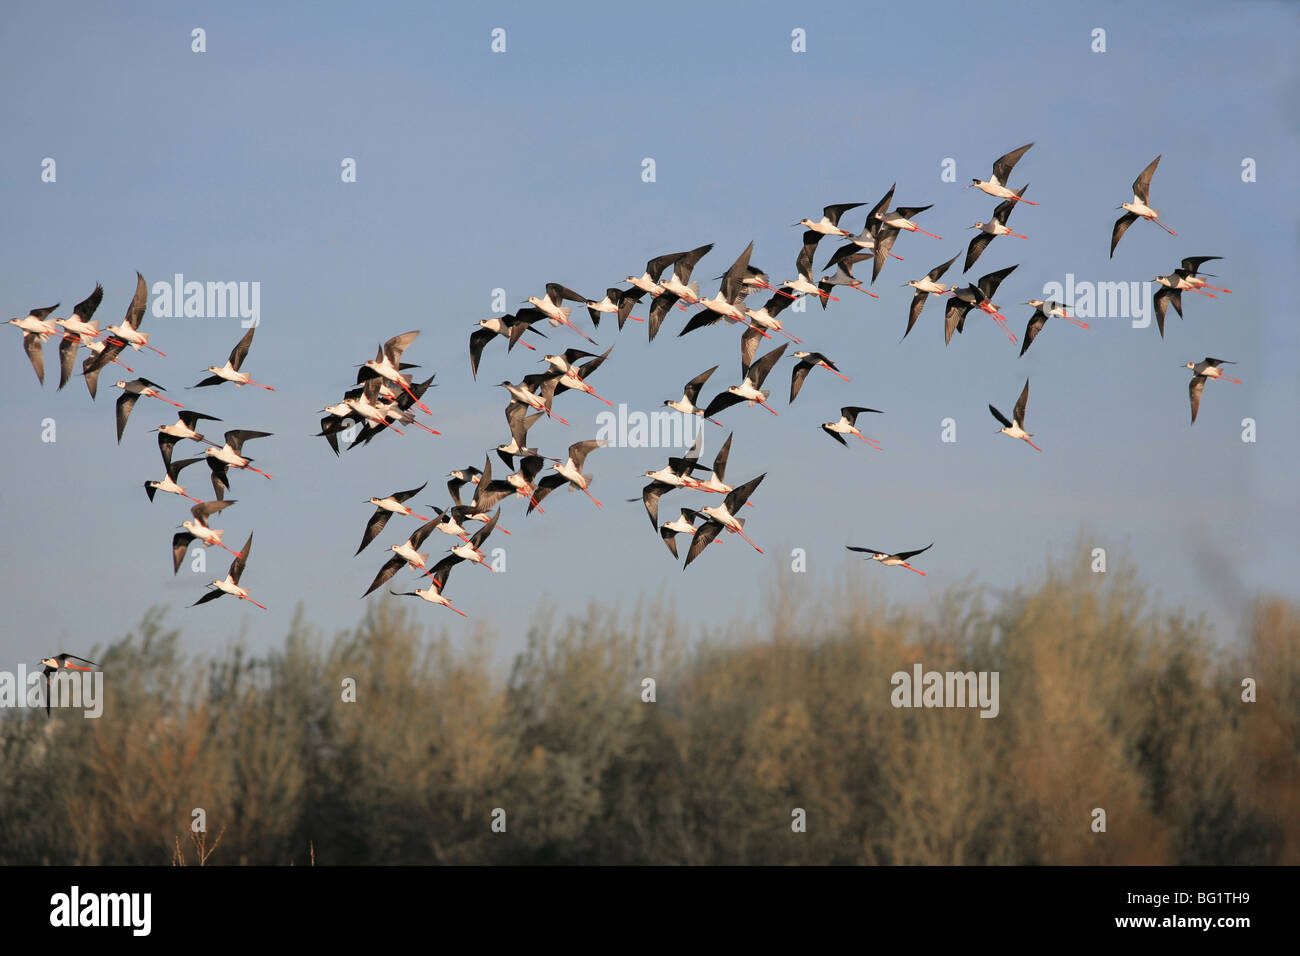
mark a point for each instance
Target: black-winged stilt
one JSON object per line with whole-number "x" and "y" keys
{"x": 1138, "y": 208}
{"x": 1016, "y": 427}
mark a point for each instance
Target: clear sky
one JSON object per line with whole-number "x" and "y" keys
{"x": 479, "y": 170}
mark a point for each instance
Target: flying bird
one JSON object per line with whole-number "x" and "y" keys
{"x": 433, "y": 593}
{"x": 57, "y": 663}
{"x": 898, "y": 560}
{"x": 988, "y": 231}
{"x": 925, "y": 287}
{"x": 807, "y": 362}
{"x": 996, "y": 185}
{"x": 230, "y": 372}
{"x": 1016, "y": 427}
{"x": 230, "y": 584}
{"x": 198, "y": 529}
{"x": 1138, "y": 208}
{"x": 848, "y": 425}
{"x": 1042, "y": 312}
{"x": 1200, "y": 372}
{"x": 385, "y": 508}
{"x": 131, "y": 392}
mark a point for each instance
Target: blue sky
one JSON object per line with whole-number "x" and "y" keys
{"x": 479, "y": 171}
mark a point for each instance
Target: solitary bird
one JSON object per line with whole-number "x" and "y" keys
{"x": 1200, "y": 372}
{"x": 996, "y": 185}
{"x": 1138, "y": 208}
{"x": 127, "y": 332}
{"x": 385, "y": 508}
{"x": 750, "y": 390}
{"x": 230, "y": 371}
{"x": 807, "y": 362}
{"x": 57, "y": 663}
{"x": 898, "y": 560}
{"x": 131, "y": 391}
{"x": 1042, "y": 312}
{"x": 1016, "y": 427}
{"x": 231, "y": 455}
{"x": 198, "y": 529}
{"x": 438, "y": 580}
{"x": 230, "y": 583}
{"x": 847, "y": 425}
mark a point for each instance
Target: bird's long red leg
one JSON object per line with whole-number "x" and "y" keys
{"x": 423, "y": 407}
{"x": 1032, "y": 445}
{"x": 164, "y": 355}
{"x": 1163, "y": 226}
{"x": 269, "y": 388}
{"x": 910, "y": 568}
{"x": 555, "y": 416}
{"x": 594, "y": 501}
{"x": 167, "y": 400}
{"x": 767, "y": 406}
{"x": 456, "y": 609}
{"x": 258, "y": 470}
{"x": 431, "y": 431}
{"x": 1070, "y": 318}
{"x": 1030, "y": 201}
{"x": 1218, "y": 288}
{"x": 858, "y": 286}
{"x": 258, "y": 603}
{"x": 930, "y": 234}
{"x": 601, "y": 397}
{"x": 741, "y": 532}
{"x": 385, "y": 422}
{"x": 192, "y": 498}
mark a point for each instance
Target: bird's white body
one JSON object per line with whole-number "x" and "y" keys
{"x": 229, "y": 373}
{"x": 689, "y": 292}
{"x": 137, "y": 340}
{"x": 724, "y": 308}
{"x": 572, "y": 473}
{"x": 746, "y": 390}
{"x": 802, "y": 285}
{"x": 1015, "y": 431}
{"x": 928, "y": 285}
{"x": 824, "y": 226}
{"x": 209, "y": 536}
{"x": 844, "y": 427}
{"x": 74, "y": 326}
{"x": 42, "y": 327}
{"x": 1139, "y": 208}
{"x": 556, "y": 313}
{"x": 995, "y": 189}
{"x": 646, "y": 284}
{"x": 722, "y": 515}
{"x": 230, "y": 587}
{"x": 414, "y": 558}
{"x": 228, "y": 455}
{"x": 172, "y": 488}
{"x": 390, "y": 504}
{"x": 993, "y": 228}
{"x": 685, "y": 406}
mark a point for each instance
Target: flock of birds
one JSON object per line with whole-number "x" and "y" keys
{"x": 384, "y": 397}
